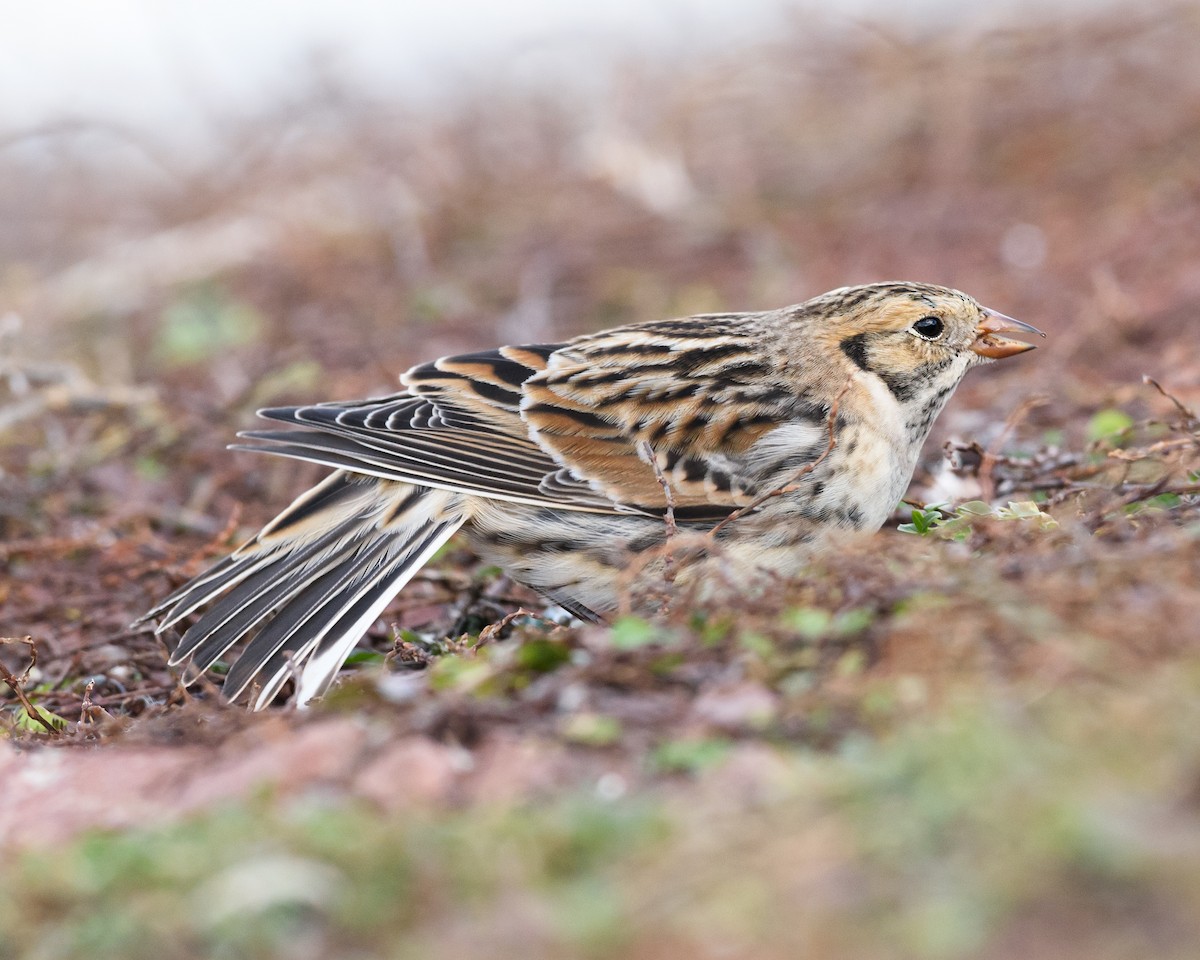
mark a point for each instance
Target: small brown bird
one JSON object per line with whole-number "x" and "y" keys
{"x": 563, "y": 462}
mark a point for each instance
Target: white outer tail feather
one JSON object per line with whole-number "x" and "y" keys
{"x": 318, "y": 672}
{"x": 400, "y": 526}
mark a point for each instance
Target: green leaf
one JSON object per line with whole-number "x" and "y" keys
{"x": 1108, "y": 425}
{"x": 459, "y": 673}
{"x": 923, "y": 521}
{"x": 24, "y": 721}
{"x": 850, "y": 622}
{"x": 204, "y": 322}
{"x": 689, "y": 756}
{"x": 629, "y": 633}
{"x": 542, "y": 656}
{"x": 810, "y": 622}
{"x": 975, "y": 508}
{"x": 364, "y": 656}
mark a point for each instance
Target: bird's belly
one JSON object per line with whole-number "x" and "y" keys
{"x": 593, "y": 559}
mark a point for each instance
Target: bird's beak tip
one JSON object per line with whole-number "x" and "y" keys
{"x": 988, "y": 344}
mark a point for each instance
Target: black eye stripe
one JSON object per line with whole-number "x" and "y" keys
{"x": 929, "y": 327}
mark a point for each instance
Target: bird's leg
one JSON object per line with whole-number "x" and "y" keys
{"x": 669, "y": 514}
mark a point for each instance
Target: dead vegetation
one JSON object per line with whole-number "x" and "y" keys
{"x": 989, "y": 656}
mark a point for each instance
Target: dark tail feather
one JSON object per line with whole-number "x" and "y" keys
{"x": 347, "y": 615}
{"x": 247, "y": 558}
{"x": 256, "y": 593}
{"x": 305, "y": 590}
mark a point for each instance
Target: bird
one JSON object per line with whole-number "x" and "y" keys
{"x": 755, "y": 434}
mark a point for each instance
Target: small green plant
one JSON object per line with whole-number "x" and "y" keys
{"x": 630, "y": 633}
{"x": 924, "y": 519}
{"x": 1109, "y": 426}
{"x": 934, "y": 521}
{"x": 202, "y": 322}
{"x": 540, "y": 655}
{"x": 689, "y": 756}
{"x": 45, "y": 721}
{"x": 813, "y": 623}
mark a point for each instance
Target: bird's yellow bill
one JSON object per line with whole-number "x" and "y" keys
{"x": 988, "y": 344}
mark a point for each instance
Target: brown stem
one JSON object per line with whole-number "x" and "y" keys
{"x": 14, "y": 684}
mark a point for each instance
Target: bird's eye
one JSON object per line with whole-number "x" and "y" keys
{"x": 929, "y": 327}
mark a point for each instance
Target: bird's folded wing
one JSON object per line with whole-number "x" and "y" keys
{"x": 458, "y": 429}
{"x": 678, "y": 402}
{"x": 598, "y": 424}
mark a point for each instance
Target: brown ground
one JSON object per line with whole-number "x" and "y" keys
{"x": 156, "y": 300}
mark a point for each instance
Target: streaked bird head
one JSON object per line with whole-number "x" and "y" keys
{"x": 918, "y": 339}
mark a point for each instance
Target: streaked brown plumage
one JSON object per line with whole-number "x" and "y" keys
{"x": 561, "y": 461}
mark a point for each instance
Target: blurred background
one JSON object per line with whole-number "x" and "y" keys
{"x": 219, "y": 181}
{"x": 980, "y": 742}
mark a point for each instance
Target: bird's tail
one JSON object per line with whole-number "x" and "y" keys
{"x": 310, "y": 584}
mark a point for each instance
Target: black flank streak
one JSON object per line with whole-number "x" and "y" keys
{"x": 645, "y": 542}
{"x": 684, "y": 390}
{"x": 557, "y": 546}
{"x": 689, "y": 360}
{"x": 795, "y": 462}
{"x": 773, "y": 395}
{"x": 667, "y": 365}
{"x": 812, "y": 412}
{"x": 704, "y": 514}
{"x": 694, "y": 470}
{"x": 694, "y": 424}
{"x": 727, "y": 432}
{"x": 660, "y": 430}
{"x": 610, "y": 376}
{"x": 613, "y": 399}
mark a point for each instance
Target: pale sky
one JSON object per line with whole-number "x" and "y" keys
{"x": 155, "y": 62}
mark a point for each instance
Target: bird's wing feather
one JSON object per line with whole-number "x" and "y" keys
{"x": 597, "y": 424}
{"x": 458, "y": 428}
{"x": 677, "y": 401}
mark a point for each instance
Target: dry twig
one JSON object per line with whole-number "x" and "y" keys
{"x": 15, "y": 683}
